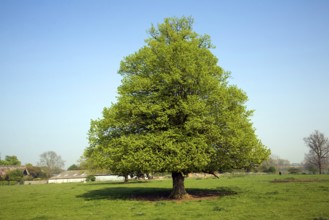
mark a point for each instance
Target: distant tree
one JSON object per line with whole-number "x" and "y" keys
{"x": 73, "y": 167}
{"x": 10, "y": 161}
{"x": 176, "y": 112}
{"x": 13, "y": 160}
{"x": 3, "y": 163}
{"x": 318, "y": 151}
{"x": 51, "y": 162}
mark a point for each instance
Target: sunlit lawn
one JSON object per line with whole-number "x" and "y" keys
{"x": 240, "y": 197}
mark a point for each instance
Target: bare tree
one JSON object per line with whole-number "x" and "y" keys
{"x": 52, "y": 162}
{"x": 318, "y": 150}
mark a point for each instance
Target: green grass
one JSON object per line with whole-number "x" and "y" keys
{"x": 241, "y": 197}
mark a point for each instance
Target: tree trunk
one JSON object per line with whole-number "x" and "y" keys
{"x": 178, "y": 191}
{"x": 126, "y": 178}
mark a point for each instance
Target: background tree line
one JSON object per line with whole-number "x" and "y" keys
{"x": 10, "y": 161}
{"x": 12, "y": 171}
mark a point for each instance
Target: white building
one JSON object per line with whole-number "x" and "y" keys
{"x": 80, "y": 176}
{"x": 70, "y": 176}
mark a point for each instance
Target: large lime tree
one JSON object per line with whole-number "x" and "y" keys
{"x": 175, "y": 112}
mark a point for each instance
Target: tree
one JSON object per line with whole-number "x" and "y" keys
{"x": 52, "y": 163}
{"x": 175, "y": 112}
{"x": 10, "y": 161}
{"x": 73, "y": 167}
{"x": 318, "y": 150}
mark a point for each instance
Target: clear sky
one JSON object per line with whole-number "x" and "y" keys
{"x": 59, "y": 61}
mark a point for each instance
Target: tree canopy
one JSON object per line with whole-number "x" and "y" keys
{"x": 10, "y": 161}
{"x": 176, "y": 111}
{"x": 73, "y": 167}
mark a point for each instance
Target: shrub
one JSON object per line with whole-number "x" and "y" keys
{"x": 270, "y": 169}
{"x": 294, "y": 170}
{"x": 15, "y": 175}
{"x": 90, "y": 178}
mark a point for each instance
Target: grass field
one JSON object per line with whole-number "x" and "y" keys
{"x": 237, "y": 197}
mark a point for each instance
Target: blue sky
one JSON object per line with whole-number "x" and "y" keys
{"x": 59, "y": 62}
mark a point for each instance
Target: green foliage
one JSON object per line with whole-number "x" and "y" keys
{"x": 10, "y": 161}
{"x": 176, "y": 111}
{"x": 73, "y": 167}
{"x": 269, "y": 170}
{"x": 14, "y": 175}
{"x": 91, "y": 178}
{"x": 92, "y": 165}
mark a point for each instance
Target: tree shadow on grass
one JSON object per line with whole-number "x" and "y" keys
{"x": 152, "y": 194}
{"x": 118, "y": 183}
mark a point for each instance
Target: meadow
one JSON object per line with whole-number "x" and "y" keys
{"x": 229, "y": 197}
